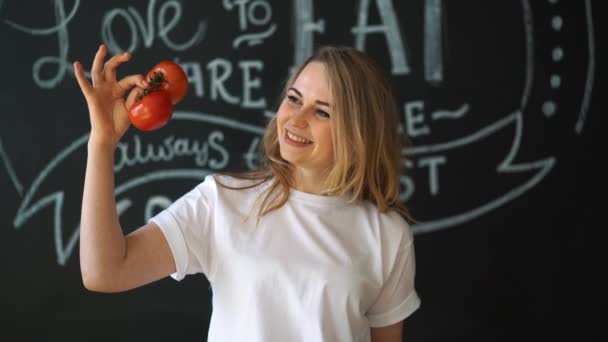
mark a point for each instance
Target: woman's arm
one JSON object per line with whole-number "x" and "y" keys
{"x": 109, "y": 261}
{"x": 390, "y": 333}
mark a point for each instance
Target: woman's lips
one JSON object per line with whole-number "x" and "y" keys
{"x": 296, "y": 140}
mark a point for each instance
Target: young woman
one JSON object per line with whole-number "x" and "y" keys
{"x": 314, "y": 246}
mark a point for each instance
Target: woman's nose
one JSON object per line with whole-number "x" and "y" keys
{"x": 299, "y": 117}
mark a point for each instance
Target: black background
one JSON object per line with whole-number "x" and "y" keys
{"x": 526, "y": 270}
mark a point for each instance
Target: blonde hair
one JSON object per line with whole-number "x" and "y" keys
{"x": 367, "y": 140}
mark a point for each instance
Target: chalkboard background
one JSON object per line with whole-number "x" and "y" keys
{"x": 499, "y": 99}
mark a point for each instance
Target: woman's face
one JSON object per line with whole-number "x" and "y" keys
{"x": 304, "y": 121}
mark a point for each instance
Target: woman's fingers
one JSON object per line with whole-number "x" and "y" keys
{"x": 111, "y": 65}
{"x": 83, "y": 82}
{"x": 132, "y": 81}
{"x": 97, "y": 69}
{"x": 132, "y": 97}
{"x": 121, "y": 118}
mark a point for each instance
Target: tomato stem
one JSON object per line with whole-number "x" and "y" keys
{"x": 158, "y": 80}
{"x": 155, "y": 83}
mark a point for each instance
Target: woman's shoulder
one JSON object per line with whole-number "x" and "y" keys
{"x": 390, "y": 221}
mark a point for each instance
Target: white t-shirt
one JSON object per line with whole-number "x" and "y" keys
{"x": 317, "y": 269}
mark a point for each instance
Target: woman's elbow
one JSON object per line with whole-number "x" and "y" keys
{"x": 95, "y": 282}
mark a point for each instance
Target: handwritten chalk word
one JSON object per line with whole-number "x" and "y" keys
{"x": 255, "y": 13}
{"x": 252, "y": 157}
{"x": 389, "y": 27}
{"x": 306, "y": 26}
{"x": 167, "y": 18}
{"x": 220, "y": 75}
{"x": 209, "y": 153}
{"x": 407, "y": 188}
{"x": 416, "y": 117}
{"x": 247, "y": 9}
{"x": 432, "y": 164}
{"x": 61, "y": 29}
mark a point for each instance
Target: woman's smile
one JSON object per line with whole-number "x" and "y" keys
{"x": 296, "y": 140}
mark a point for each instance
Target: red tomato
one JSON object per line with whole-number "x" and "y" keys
{"x": 169, "y": 76}
{"x": 152, "y": 111}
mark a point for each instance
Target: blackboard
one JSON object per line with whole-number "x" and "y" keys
{"x": 499, "y": 99}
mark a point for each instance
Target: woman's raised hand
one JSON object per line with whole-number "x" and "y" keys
{"x": 105, "y": 96}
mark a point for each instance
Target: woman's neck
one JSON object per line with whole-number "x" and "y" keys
{"x": 310, "y": 182}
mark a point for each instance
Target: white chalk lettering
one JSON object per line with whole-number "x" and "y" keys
{"x": 214, "y": 142}
{"x": 61, "y": 61}
{"x": 217, "y": 80}
{"x": 250, "y": 83}
{"x": 195, "y": 77}
{"x": 256, "y": 13}
{"x": 304, "y": 28}
{"x": 390, "y": 29}
{"x": 251, "y": 157}
{"x": 414, "y": 119}
{"x": 432, "y": 163}
{"x": 151, "y": 27}
{"x": 433, "y": 41}
{"x": 137, "y": 153}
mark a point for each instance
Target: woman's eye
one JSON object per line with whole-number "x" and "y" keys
{"x": 323, "y": 114}
{"x": 292, "y": 99}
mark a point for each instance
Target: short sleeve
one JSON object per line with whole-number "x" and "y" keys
{"x": 398, "y": 298}
{"x": 187, "y": 225}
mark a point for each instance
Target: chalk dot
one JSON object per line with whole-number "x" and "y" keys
{"x": 558, "y": 54}
{"x": 555, "y": 81}
{"x": 557, "y": 22}
{"x": 549, "y": 108}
